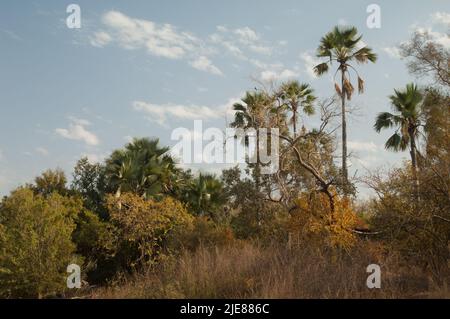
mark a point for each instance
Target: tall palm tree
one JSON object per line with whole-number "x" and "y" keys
{"x": 343, "y": 45}
{"x": 251, "y": 114}
{"x": 295, "y": 96}
{"x": 407, "y": 106}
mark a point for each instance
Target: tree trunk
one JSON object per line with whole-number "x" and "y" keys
{"x": 294, "y": 118}
{"x": 344, "y": 133}
{"x": 117, "y": 195}
{"x": 413, "y": 153}
{"x": 257, "y": 167}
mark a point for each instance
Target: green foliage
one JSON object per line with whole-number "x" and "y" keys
{"x": 51, "y": 181}
{"x": 341, "y": 45}
{"x": 419, "y": 230}
{"x": 35, "y": 243}
{"x": 142, "y": 167}
{"x": 407, "y": 118}
{"x": 297, "y": 97}
{"x": 89, "y": 182}
{"x": 95, "y": 241}
{"x": 204, "y": 196}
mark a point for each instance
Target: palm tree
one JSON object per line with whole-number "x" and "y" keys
{"x": 251, "y": 114}
{"x": 142, "y": 167}
{"x": 343, "y": 45}
{"x": 205, "y": 194}
{"x": 295, "y": 95}
{"x": 407, "y": 106}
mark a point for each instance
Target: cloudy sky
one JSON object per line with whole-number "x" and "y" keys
{"x": 143, "y": 68}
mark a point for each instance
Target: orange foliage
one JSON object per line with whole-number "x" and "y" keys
{"x": 314, "y": 220}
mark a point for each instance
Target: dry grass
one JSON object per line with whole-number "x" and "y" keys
{"x": 250, "y": 271}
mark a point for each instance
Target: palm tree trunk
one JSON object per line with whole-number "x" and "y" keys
{"x": 294, "y": 119}
{"x": 257, "y": 167}
{"x": 413, "y": 153}
{"x": 117, "y": 195}
{"x": 344, "y": 133}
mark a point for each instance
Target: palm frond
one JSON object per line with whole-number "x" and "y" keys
{"x": 321, "y": 68}
{"x": 384, "y": 120}
{"x": 338, "y": 89}
{"x": 360, "y": 85}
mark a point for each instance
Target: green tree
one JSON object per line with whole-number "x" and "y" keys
{"x": 407, "y": 106}
{"x": 205, "y": 195}
{"x": 296, "y": 97}
{"x": 142, "y": 167}
{"x": 251, "y": 113}
{"x": 51, "y": 181}
{"x": 342, "y": 45}
{"x": 35, "y": 243}
{"x": 89, "y": 181}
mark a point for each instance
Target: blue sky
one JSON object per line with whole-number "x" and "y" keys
{"x": 143, "y": 68}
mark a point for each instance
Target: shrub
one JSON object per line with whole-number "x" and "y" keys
{"x": 35, "y": 241}
{"x": 314, "y": 221}
{"x": 143, "y": 226}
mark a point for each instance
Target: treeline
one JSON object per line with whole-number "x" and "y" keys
{"x": 138, "y": 213}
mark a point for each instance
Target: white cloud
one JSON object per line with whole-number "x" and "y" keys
{"x": 222, "y": 28}
{"x": 271, "y": 76}
{"x": 160, "y": 112}
{"x": 77, "y": 131}
{"x": 202, "y": 63}
{"x": 363, "y": 146}
{"x": 310, "y": 62}
{"x": 100, "y": 39}
{"x": 41, "y": 150}
{"x": 246, "y": 35}
{"x": 261, "y": 49}
{"x": 162, "y": 40}
{"x": 1, "y": 155}
{"x": 441, "y": 18}
{"x": 236, "y": 41}
{"x": 94, "y": 158}
{"x": 393, "y": 52}
{"x": 438, "y": 37}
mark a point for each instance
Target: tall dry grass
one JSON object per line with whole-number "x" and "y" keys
{"x": 251, "y": 271}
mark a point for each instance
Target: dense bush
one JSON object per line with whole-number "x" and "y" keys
{"x": 143, "y": 226}
{"x": 35, "y": 243}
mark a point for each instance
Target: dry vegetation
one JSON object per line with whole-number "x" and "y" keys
{"x": 248, "y": 270}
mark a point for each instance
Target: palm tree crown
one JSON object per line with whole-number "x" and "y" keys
{"x": 142, "y": 167}
{"x": 406, "y": 117}
{"x": 343, "y": 45}
{"x": 294, "y": 96}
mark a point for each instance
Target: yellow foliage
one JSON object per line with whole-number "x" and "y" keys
{"x": 146, "y": 224}
{"x": 314, "y": 220}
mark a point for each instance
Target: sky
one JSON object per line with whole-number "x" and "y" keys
{"x": 144, "y": 68}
